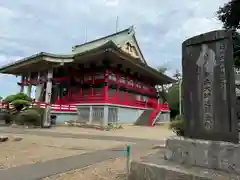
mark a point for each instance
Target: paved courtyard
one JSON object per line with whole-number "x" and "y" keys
{"x": 33, "y": 148}
{"x": 45, "y": 152}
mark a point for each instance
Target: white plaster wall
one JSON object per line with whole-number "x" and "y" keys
{"x": 128, "y": 115}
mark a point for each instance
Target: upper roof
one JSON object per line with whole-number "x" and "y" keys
{"x": 120, "y": 39}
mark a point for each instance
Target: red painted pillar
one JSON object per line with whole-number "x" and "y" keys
{"x": 92, "y": 82}
{"x": 106, "y": 86}
{"x": 117, "y": 95}
{"x": 126, "y": 98}
{"x": 81, "y": 93}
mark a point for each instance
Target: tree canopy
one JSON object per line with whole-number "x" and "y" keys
{"x": 229, "y": 14}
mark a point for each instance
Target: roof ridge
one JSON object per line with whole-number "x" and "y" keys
{"x": 130, "y": 30}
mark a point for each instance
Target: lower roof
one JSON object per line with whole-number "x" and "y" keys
{"x": 44, "y": 61}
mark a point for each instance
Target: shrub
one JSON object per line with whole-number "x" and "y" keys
{"x": 178, "y": 125}
{"x": 29, "y": 117}
{"x": 9, "y": 99}
{"x": 19, "y": 100}
{"x": 19, "y": 104}
{"x": 112, "y": 126}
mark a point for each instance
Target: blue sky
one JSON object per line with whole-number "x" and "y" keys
{"x": 28, "y": 27}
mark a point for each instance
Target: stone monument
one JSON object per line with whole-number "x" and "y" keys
{"x": 209, "y": 87}
{"x": 210, "y": 148}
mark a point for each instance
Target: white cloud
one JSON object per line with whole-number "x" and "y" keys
{"x": 28, "y": 27}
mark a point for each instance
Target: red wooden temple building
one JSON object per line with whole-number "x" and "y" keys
{"x": 103, "y": 81}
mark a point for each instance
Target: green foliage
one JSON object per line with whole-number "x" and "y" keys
{"x": 9, "y": 98}
{"x": 40, "y": 110}
{"x": 173, "y": 99}
{"x": 178, "y": 125}
{"x": 112, "y": 126}
{"x": 20, "y": 102}
{"x": 29, "y": 117}
{"x": 22, "y": 96}
{"x": 229, "y": 14}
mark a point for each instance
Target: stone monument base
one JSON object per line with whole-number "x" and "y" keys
{"x": 190, "y": 159}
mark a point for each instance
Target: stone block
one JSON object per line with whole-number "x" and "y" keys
{"x": 154, "y": 167}
{"x": 3, "y": 138}
{"x": 217, "y": 155}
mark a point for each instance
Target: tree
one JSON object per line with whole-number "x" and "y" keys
{"x": 177, "y": 75}
{"x": 173, "y": 94}
{"x": 19, "y": 100}
{"x": 236, "y": 48}
{"x": 229, "y": 14}
{"x": 162, "y": 89}
{"x": 173, "y": 99}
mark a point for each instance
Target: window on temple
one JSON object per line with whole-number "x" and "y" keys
{"x": 138, "y": 97}
{"x": 130, "y": 82}
{"x": 122, "y": 80}
{"x": 112, "y": 77}
{"x": 145, "y": 98}
{"x": 86, "y": 91}
{"x": 99, "y": 76}
{"x": 64, "y": 91}
{"x": 138, "y": 85}
{"x": 87, "y": 77}
{"x": 98, "y": 91}
{"x": 145, "y": 87}
{"x": 77, "y": 79}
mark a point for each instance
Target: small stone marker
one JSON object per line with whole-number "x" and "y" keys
{"x": 3, "y": 138}
{"x": 209, "y": 87}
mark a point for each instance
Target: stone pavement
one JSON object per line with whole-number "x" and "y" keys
{"x": 44, "y": 169}
{"x": 40, "y": 170}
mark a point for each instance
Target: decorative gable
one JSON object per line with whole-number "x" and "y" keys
{"x": 130, "y": 49}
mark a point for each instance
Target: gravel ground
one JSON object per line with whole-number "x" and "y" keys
{"x": 107, "y": 170}
{"x": 152, "y": 133}
{"x": 34, "y": 148}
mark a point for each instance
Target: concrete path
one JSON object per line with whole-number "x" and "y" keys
{"x": 70, "y": 135}
{"x": 40, "y": 170}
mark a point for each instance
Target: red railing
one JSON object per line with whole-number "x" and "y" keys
{"x": 113, "y": 99}
{"x": 58, "y": 107}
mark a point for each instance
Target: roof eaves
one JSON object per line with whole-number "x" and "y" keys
{"x": 148, "y": 68}
{"x": 21, "y": 61}
{"x": 34, "y": 56}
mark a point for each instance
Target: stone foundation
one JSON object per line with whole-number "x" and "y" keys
{"x": 190, "y": 159}
{"x": 217, "y": 155}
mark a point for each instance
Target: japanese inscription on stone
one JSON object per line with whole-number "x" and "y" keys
{"x": 206, "y": 64}
{"x": 208, "y": 87}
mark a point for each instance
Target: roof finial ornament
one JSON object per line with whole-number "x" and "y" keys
{"x": 131, "y": 29}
